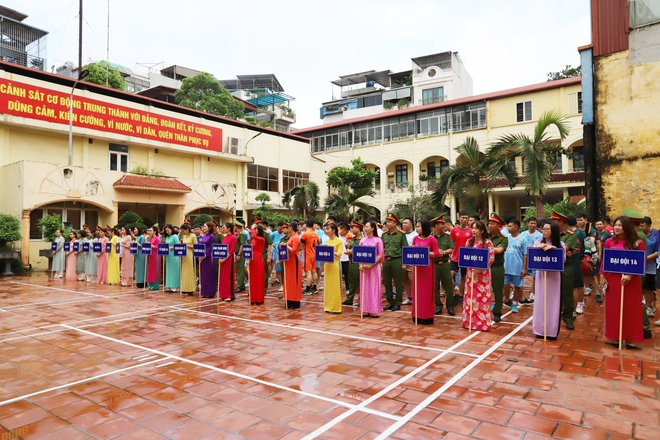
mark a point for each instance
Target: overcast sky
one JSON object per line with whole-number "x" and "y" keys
{"x": 307, "y": 44}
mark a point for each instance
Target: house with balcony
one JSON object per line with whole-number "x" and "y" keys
{"x": 415, "y": 145}
{"x": 20, "y": 43}
{"x": 273, "y": 106}
{"x": 129, "y": 152}
{"x": 433, "y": 78}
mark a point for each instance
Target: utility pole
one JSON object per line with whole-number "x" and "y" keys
{"x": 80, "y": 23}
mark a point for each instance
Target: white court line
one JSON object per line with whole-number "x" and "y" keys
{"x": 58, "y": 289}
{"x": 205, "y": 302}
{"x": 233, "y": 373}
{"x": 393, "y": 428}
{"x": 323, "y": 332}
{"x": 59, "y": 387}
{"x": 362, "y": 405}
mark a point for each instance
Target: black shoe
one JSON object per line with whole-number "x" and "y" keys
{"x": 347, "y": 303}
{"x": 526, "y": 301}
{"x": 395, "y": 309}
{"x": 648, "y": 334}
{"x": 570, "y": 325}
{"x": 599, "y": 299}
{"x": 388, "y": 308}
{"x": 239, "y": 290}
{"x": 450, "y": 310}
{"x": 497, "y": 317}
{"x": 437, "y": 311}
{"x": 457, "y": 300}
{"x": 508, "y": 303}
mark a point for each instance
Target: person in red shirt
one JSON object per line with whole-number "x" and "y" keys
{"x": 460, "y": 236}
{"x": 310, "y": 240}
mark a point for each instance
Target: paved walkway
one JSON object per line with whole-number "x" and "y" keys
{"x": 87, "y": 361}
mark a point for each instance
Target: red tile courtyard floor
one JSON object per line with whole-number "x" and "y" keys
{"x": 88, "y": 361}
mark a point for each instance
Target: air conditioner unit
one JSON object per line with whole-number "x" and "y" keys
{"x": 234, "y": 146}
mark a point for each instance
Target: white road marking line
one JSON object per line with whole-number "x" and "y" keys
{"x": 164, "y": 365}
{"x": 393, "y": 428}
{"x": 233, "y": 373}
{"x": 60, "y": 290}
{"x": 64, "y": 302}
{"x": 59, "y": 387}
{"x": 311, "y": 330}
{"x": 362, "y": 405}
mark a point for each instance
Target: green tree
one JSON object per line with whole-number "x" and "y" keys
{"x": 567, "y": 72}
{"x": 418, "y": 205}
{"x": 48, "y": 224}
{"x": 472, "y": 181}
{"x": 565, "y": 206}
{"x": 349, "y": 185}
{"x": 303, "y": 199}
{"x": 539, "y": 154}
{"x": 201, "y": 219}
{"x": 10, "y": 229}
{"x": 205, "y": 93}
{"x": 98, "y": 75}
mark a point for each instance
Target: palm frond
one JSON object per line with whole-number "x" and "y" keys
{"x": 551, "y": 117}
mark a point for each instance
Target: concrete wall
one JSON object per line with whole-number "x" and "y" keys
{"x": 627, "y": 134}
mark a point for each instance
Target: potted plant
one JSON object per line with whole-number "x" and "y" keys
{"x": 388, "y": 105}
{"x": 48, "y": 225}
{"x": 10, "y": 231}
{"x": 403, "y": 103}
{"x": 423, "y": 180}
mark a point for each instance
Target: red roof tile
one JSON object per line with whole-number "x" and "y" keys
{"x": 132, "y": 181}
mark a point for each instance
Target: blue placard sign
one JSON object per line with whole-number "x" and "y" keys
{"x": 53, "y": 246}
{"x": 133, "y": 248}
{"x": 415, "y": 256}
{"x": 475, "y": 258}
{"x": 628, "y": 262}
{"x": 364, "y": 254}
{"x": 108, "y": 247}
{"x": 86, "y": 247}
{"x": 199, "y": 250}
{"x": 325, "y": 254}
{"x": 220, "y": 251}
{"x": 180, "y": 249}
{"x": 283, "y": 252}
{"x": 247, "y": 251}
{"x": 163, "y": 249}
{"x": 67, "y": 246}
{"x": 146, "y": 248}
{"x": 118, "y": 248}
{"x": 76, "y": 246}
{"x": 97, "y": 247}
{"x": 551, "y": 260}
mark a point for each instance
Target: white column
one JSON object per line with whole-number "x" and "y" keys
{"x": 491, "y": 205}
{"x": 452, "y": 207}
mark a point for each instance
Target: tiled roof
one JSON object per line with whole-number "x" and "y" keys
{"x": 132, "y": 181}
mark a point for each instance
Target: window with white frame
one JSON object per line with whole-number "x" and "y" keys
{"x": 401, "y": 174}
{"x": 575, "y": 103}
{"x": 524, "y": 111}
{"x": 118, "y": 158}
{"x": 73, "y": 217}
{"x": 432, "y": 96}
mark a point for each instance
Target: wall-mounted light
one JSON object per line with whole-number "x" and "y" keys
{"x": 156, "y": 150}
{"x": 68, "y": 172}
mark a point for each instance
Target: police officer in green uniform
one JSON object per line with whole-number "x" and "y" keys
{"x": 241, "y": 239}
{"x": 572, "y": 251}
{"x": 353, "y": 268}
{"x": 393, "y": 242}
{"x": 442, "y": 269}
{"x": 636, "y": 218}
{"x": 500, "y": 243}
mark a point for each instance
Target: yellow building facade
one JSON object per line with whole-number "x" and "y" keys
{"x": 402, "y": 145}
{"x": 206, "y": 161}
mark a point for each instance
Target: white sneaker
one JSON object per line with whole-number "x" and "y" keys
{"x": 649, "y": 311}
{"x": 280, "y": 289}
{"x": 407, "y": 302}
{"x": 531, "y": 296}
{"x": 456, "y": 289}
{"x": 580, "y": 308}
{"x": 587, "y": 291}
{"x": 657, "y": 322}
